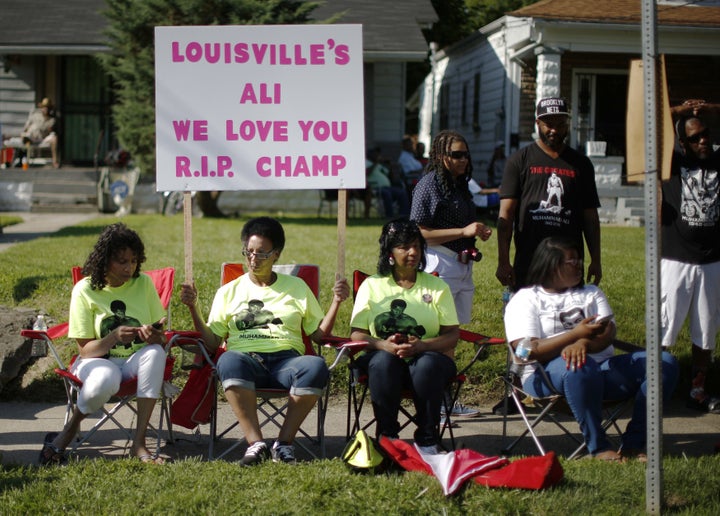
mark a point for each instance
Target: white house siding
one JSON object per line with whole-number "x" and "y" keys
{"x": 457, "y": 68}
{"x": 17, "y": 93}
{"x": 388, "y": 109}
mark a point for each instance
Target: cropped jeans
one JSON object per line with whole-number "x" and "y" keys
{"x": 425, "y": 376}
{"x": 618, "y": 378}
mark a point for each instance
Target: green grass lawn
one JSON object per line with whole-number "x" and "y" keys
{"x": 36, "y": 274}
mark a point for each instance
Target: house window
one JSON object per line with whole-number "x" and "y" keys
{"x": 599, "y": 105}
{"x": 464, "y": 107}
{"x": 476, "y": 103}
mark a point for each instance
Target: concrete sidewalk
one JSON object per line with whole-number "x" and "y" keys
{"x": 23, "y": 426}
{"x": 35, "y": 225}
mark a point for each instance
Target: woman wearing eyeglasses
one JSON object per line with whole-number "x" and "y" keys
{"x": 571, "y": 329}
{"x": 443, "y": 208}
{"x": 261, "y": 316}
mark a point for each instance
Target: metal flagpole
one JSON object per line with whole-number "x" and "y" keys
{"x": 654, "y": 470}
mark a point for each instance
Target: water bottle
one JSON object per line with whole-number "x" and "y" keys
{"x": 39, "y": 346}
{"x": 40, "y": 324}
{"x": 523, "y": 349}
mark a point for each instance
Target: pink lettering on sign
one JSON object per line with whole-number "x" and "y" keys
{"x": 185, "y": 167}
{"x": 286, "y": 166}
{"x": 240, "y": 52}
{"x": 182, "y": 130}
{"x": 264, "y": 130}
{"x": 262, "y": 94}
{"x": 321, "y": 130}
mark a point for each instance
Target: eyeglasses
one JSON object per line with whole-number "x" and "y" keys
{"x": 258, "y": 255}
{"x": 459, "y": 154}
{"x": 695, "y": 138}
{"x": 575, "y": 262}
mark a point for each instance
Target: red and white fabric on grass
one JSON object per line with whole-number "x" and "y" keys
{"x": 453, "y": 469}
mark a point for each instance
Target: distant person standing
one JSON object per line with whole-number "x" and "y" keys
{"x": 443, "y": 208}
{"x": 378, "y": 179}
{"x": 548, "y": 189}
{"x": 690, "y": 264}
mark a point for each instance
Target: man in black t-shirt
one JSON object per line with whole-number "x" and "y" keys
{"x": 690, "y": 265}
{"x": 547, "y": 189}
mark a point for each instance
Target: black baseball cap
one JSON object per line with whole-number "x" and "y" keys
{"x": 551, "y": 106}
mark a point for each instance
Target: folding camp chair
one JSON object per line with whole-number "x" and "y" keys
{"x": 163, "y": 280}
{"x": 358, "y": 384}
{"x": 268, "y": 406}
{"x": 553, "y": 408}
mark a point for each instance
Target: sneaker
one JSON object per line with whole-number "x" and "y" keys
{"x": 428, "y": 450}
{"x": 256, "y": 453}
{"x": 460, "y": 410}
{"x": 283, "y": 453}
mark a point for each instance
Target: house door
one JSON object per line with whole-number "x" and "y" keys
{"x": 600, "y": 101}
{"x": 85, "y": 120}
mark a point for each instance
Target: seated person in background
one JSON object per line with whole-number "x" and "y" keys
{"x": 403, "y": 360}
{"x": 378, "y": 178}
{"x": 271, "y": 355}
{"x": 412, "y": 169}
{"x": 420, "y": 154}
{"x": 39, "y": 130}
{"x": 112, "y": 353}
{"x": 558, "y": 313}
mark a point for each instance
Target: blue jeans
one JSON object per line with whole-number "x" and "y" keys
{"x": 302, "y": 375}
{"x": 617, "y": 378}
{"x": 425, "y": 376}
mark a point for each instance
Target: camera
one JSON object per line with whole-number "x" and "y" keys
{"x": 466, "y": 255}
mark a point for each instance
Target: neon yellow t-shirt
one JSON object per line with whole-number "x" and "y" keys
{"x": 383, "y": 308}
{"x": 265, "y": 319}
{"x": 95, "y": 313}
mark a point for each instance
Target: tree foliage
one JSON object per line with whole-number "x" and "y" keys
{"x": 458, "y": 19}
{"x": 131, "y": 62}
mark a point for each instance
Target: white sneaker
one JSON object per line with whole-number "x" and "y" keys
{"x": 256, "y": 453}
{"x": 283, "y": 453}
{"x": 460, "y": 410}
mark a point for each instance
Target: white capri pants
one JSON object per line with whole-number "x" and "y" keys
{"x": 457, "y": 275}
{"x": 690, "y": 290}
{"x": 101, "y": 377}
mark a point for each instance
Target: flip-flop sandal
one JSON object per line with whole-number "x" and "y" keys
{"x": 609, "y": 456}
{"x": 147, "y": 458}
{"x": 51, "y": 455}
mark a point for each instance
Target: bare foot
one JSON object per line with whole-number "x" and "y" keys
{"x": 609, "y": 456}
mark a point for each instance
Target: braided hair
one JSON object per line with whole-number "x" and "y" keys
{"x": 112, "y": 241}
{"x": 439, "y": 150}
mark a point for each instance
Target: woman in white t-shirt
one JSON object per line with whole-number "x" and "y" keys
{"x": 572, "y": 330}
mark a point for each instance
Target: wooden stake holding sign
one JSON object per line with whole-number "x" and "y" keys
{"x": 341, "y": 229}
{"x": 635, "y": 125}
{"x": 187, "y": 216}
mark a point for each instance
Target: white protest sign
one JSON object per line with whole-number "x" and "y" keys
{"x": 272, "y": 107}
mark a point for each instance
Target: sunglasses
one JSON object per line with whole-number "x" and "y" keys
{"x": 695, "y": 138}
{"x": 258, "y": 255}
{"x": 459, "y": 154}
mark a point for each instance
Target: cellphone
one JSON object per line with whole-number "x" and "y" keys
{"x": 603, "y": 320}
{"x": 158, "y": 325}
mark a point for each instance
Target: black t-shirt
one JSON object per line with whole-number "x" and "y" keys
{"x": 691, "y": 210}
{"x": 552, "y": 194}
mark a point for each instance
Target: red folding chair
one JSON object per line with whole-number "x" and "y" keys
{"x": 164, "y": 281}
{"x": 358, "y": 384}
{"x": 270, "y": 410}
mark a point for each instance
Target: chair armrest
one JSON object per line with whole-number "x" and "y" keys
{"x": 481, "y": 343}
{"x": 344, "y": 348}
